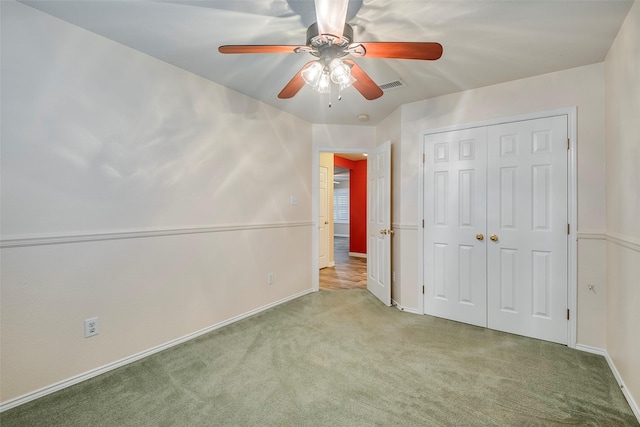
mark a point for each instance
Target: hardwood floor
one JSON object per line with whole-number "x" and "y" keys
{"x": 349, "y": 272}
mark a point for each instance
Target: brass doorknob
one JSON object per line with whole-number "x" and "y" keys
{"x": 480, "y": 236}
{"x": 493, "y": 238}
{"x": 383, "y": 231}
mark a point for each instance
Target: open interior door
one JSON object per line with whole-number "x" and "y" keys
{"x": 379, "y": 222}
{"x": 323, "y": 218}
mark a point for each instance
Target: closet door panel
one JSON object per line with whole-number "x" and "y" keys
{"x": 455, "y": 213}
{"x": 527, "y": 278}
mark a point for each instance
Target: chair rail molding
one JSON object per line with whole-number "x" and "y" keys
{"x": 57, "y": 239}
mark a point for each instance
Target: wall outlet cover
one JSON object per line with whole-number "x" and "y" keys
{"x": 91, "y": 327}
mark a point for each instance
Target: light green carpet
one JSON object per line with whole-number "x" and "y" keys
{"x": 340, "y": 358}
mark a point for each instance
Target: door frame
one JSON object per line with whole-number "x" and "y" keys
{"x": 315, "y": 208}
{"x": 572, "y": 203}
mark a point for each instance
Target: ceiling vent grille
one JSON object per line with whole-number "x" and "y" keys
{"x": 392, "y": 85}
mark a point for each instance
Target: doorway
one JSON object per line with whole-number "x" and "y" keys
{"x": 342, "y": 257}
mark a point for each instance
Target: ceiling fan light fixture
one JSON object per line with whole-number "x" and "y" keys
{"x": 348, "y": 83}
{"x": 317, "y": 76}
{"x": 320, "y": 76}
{"x": 340, "y": 73}
{"x": 312, "y": 73}
{"x": 330, "y": 40}
{"x": 324, "y": 83}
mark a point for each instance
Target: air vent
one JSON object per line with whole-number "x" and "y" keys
{"x": 392, "y": 85}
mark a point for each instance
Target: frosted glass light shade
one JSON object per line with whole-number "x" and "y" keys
{"x": 324, "y": 83}
{"x": 347, "y": 83}
{"x": 340, "y": 72}
{"x": 311, "y": 75}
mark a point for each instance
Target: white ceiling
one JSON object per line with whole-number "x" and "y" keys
{"x": 485, "y": 42}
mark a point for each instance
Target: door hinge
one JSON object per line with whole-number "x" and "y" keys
{"x": 568, "y": 228}
{"x": 423, "y": 158}
{"x": 422, "y": 289}
{"x": 568, "y": 312}
{"x": 568, "y": 143}
{"x": 423, "y": 223}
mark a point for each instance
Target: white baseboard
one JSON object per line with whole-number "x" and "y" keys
{"x": 589, "y": 349}
{"x": 627, "y": 395}
{"x": 634, "y": 406}
{"x": 405, "y": 309}
{"x": 357, "y": 254}
{"x": 127, "y": 360}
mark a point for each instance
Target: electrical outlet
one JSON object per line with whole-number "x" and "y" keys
{"x": 90, "y": 327}
{"x": 270, "y": 279}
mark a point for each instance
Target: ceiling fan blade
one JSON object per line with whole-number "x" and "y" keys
{"x": 331, "y": 16}
{"x": 403, "y": 50}
{"x": 262, "y": 49}
{"x": 296, "y": 83}
{"x": 363, "y": 84}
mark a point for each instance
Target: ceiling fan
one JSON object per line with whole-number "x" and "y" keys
{"x": 330, "y": 40}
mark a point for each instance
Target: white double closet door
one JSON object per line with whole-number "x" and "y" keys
{"x": 495, "y": 234}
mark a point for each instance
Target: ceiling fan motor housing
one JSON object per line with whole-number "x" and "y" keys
{"x": 316, "y": 40}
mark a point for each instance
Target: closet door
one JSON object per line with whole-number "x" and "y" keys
{"x": 455, "y": 220}
{"x": 527, "y": 228}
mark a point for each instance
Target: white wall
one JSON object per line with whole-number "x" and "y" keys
{"x": 582, "y": 87}
{"x": 342, "y": 137}
{"x": 136, "y": 192}
{"x": 622, "y": 85}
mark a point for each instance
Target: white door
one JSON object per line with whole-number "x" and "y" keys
{"x": 323, "y": 218}
{"x": 455, "y": 222}
{"x": 379, "y": 222}
{"x": 495, "y": 206}
{"x": 527, "y": 223}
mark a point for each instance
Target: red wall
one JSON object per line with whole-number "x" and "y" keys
{"x": 357, "y": 203}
